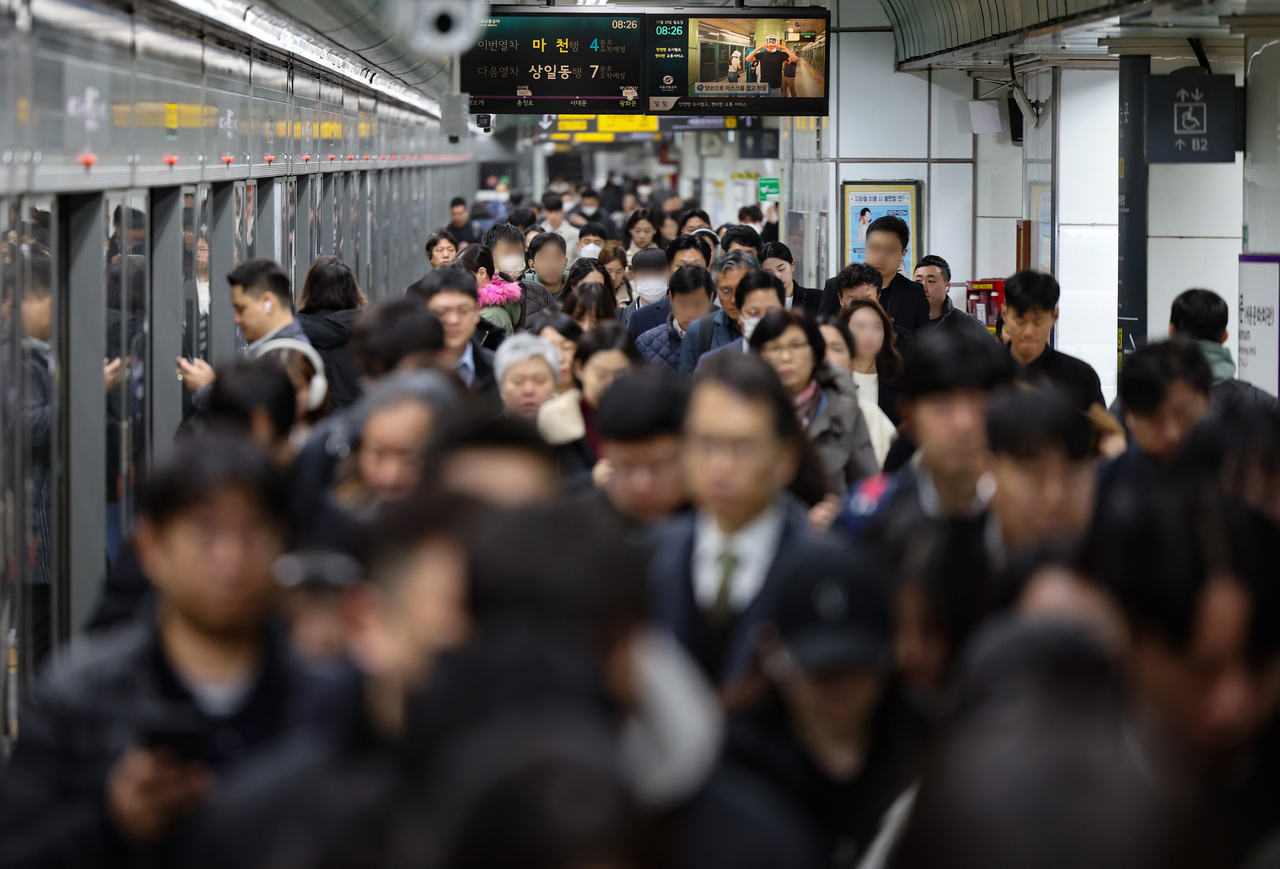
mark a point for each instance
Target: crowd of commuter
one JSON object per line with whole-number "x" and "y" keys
{"x": 612, "y": 546}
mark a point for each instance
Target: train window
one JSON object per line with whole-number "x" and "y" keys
{"x": 30, "y": 350}
{"x": 125, "y": 369}
{"x": 287, "y": 256}
{"x": 196, "y": 296}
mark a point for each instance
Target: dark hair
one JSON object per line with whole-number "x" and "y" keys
{"x": 558, "y": 320}
{"x": 593, "y": 227}
{"x": 640, "y": 214}
{"x": 1156, "y": 550}
{"x": 1024, "y": 424}
{"x": 1030, "y": 289}
{"x": 552, "y": 202}
{"x": 330, "y": 285}
{"x": 543, "y": 239}
{"x": 247, "y": 385}
{"x": 864, "y": 211}
{"x": 583, "y": 266}
{"x": 591, "y": 297}
{"x": 645, "y": 404}
{"x": 1199, "y": 314}
{"x": 456, "y": 201}
{"x": 750, "y": 377}
{"x": 1149, "y": 372}
{"x": 201, "y": 465}
{"x": 755, "y": 280}
{"x": 888, "y": 360}
{"x": 694, "y": 212}
{"x": 859, "y": 275}
{"x": 438, "y": 236}
{"x": 687, "y": 242}
{"x": 261, "y": 275}
{"x": 478, "y": 429}
{"x": 524, "y": 218}
{"x": 40, "y": 262}
{"x": 649, "y": 260}
{"x": 387, "y": 546}
{"x": 776, "y": 250}
{"x": 946, "y": 360}
{"x": 603, "y": 336}
{"x": 386, "y": 333}
{"x": 612, "y": 251}
{"x": 474, "y": 257}
{"x": 690, "y": 279}
{"x": 845, "y": 335}
{"x": 589, "y": 194}
{"x": 503, "y": 232}
{"x": 452, "y": 278}
{"x": 937, "y": 262}
{"x": 743, "y": 235}
{"x": 775, "y": 323}
{"x": 893, "y": 224}
{"x": 750, "y": 213}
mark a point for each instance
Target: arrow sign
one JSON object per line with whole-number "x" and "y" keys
{"x": 1182, "y": 94}
{"x": 1196, "y": 95}
{"x": 1179, "y": 144}
{"x": 546, "y": 122}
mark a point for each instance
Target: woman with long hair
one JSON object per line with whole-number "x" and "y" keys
{"x": 331, "y": 300}
{"x": 876, "y": 362}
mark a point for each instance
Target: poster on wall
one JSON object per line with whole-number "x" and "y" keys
{"x": 1258, "y": 332}
{"x": 864, "y": 202}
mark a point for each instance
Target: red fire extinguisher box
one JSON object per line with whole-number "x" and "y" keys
{"x": 985, "y": 298}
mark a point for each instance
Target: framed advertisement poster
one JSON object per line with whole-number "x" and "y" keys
{"x": 864, "y": 201}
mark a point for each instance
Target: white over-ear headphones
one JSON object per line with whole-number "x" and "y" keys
{"x": 319, "y": 386}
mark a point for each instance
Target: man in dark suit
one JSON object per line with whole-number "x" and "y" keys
{"x": 450, "y": 294}
{"x": 716, "y": 571}
{"x": 902, "y": 298}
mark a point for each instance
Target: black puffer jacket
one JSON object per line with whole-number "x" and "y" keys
{"x": 330, "y": 333}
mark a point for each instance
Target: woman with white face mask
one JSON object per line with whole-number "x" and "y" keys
{"x": 650, "y": 270}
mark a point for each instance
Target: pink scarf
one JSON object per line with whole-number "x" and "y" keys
{"x": 806, "y": 403}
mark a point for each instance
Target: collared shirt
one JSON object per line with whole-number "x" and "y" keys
{"x": 931, "y": 503}
{"x": 466, "y": 366}
{"x": 754, "y": 545}
{"x": 1075, "y": 376}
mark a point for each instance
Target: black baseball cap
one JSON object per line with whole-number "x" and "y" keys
{"x": 833, "y": 610}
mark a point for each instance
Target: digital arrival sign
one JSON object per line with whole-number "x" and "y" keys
{"x": 556, "y": 62}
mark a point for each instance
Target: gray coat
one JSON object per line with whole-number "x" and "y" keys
{"x": 839, "y": 433}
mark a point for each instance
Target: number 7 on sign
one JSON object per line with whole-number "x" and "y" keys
{"x": 594, "y": 70}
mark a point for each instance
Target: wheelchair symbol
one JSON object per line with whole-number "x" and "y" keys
{"x": 1190, "y": 119}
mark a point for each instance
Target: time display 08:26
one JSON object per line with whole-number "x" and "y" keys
{"x": 669, "y": 30}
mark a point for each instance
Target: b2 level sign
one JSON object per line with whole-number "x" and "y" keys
{"x": 1191, "y": 118}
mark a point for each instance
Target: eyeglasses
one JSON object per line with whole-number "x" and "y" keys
{"x": 777, "y": 351}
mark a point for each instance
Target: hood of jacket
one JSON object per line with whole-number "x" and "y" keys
{"x": 834, "y": 380}
{"x": 1220, "y": 361}
{"x": 498, "y": 292}
{"x": 328, "y": 329}
{"x": 560, "y": 420}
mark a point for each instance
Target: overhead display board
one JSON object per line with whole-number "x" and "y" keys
{"x": 737, "y": 62}
{"x": 559, "y": 60}
{"x": 531, "y": 62}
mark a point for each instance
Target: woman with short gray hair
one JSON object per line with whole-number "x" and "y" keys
{"x": 527, "y": 369}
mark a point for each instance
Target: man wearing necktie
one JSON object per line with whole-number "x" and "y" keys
{"x": 718, "y": 568}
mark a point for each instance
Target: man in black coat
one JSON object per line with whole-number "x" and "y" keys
{"x": 683, "y": 250}
{"x": 126, "y": 736}
{"x": 934, "y": 274}
{"x": 450, "y": 294}
{"x": 902, "y": 298}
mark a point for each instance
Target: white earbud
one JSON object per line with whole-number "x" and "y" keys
{"x": 268, "y": 306}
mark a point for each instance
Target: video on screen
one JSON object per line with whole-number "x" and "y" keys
{"x": 760, "y": 57}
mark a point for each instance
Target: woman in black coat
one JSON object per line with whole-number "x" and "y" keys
{"x": 331, "y": 300}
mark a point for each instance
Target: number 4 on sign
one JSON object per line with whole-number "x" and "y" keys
{"x": 595, "y": 45}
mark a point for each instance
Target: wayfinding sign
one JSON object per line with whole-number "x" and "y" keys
{"x": 1191, "y": 118}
